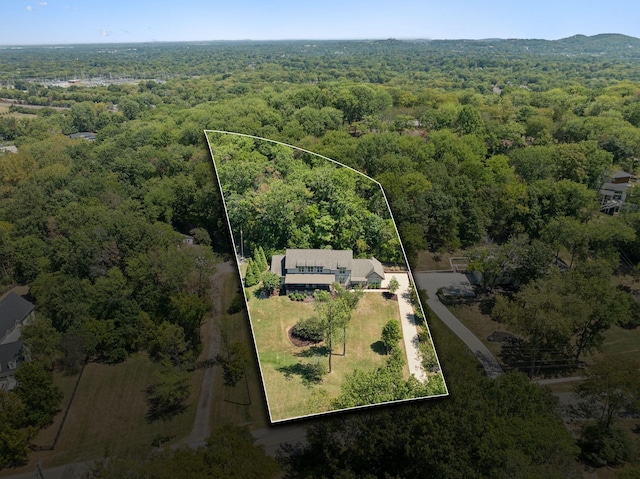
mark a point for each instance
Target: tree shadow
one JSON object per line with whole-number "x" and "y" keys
{"x": 378, "y": 348}
{"x": 516, "y": 354}
{"x": 314, "y": 351}
{"x": 260, "y": 293}
{"x": 164, "y": 414}
{"x": 309, "y": 373}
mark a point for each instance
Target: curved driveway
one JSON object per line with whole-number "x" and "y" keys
{"x": 431, "y": 282}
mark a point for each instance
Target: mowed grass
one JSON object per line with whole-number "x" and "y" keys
{"x": 622, "y": 342}
{"x": 5, "y": 113}
{"x": 243, "y": 403}
{"x": 480, "y": 324}
{"x": 108, "y": 414}
{"x": 287, "y": 394}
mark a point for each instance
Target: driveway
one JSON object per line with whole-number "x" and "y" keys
{"x": 431, "y": 282}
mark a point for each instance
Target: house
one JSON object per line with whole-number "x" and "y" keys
{"x": 15, "y": 312}
{"x": 84, "y": 135}
{"x": 8, "y": 149}
{"x": 311, "y": 269}
{"x": 12, "y": 355}
{"x": 614, "y": 190}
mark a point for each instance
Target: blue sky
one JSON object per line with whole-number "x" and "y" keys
{"x": 25, "y": 22}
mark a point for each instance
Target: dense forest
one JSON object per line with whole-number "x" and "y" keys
{"x": 495, "y": 148}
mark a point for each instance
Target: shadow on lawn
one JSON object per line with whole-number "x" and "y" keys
{"x": 314, "y": 351}
{"x": 310, "y": 373}
{"x": 379, "y": 348}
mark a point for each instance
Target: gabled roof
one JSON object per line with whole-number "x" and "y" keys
{"x": 277, "y": 264}
{"x": 614, "y": 187}
{"x": 327, "y": 258}
{"x": 13, "y": 308}
{"x": 363, "y": 268}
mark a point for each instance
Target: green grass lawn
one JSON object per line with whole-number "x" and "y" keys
{"x": 108, "y": 414}
{"x": 244, "y": 403}
{"x": 480, "y": 324}
{"x": 287, "y": 393}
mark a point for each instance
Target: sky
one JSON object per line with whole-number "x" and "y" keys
{"x": 34, "y": 22}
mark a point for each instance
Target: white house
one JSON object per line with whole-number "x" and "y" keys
{"x": 311, "y": 269}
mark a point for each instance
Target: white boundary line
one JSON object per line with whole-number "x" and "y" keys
{"x": 224, "y": 204}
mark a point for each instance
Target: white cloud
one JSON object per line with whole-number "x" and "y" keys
{"x": 29, "y": 8}
{"x": 103, "y": 32}
{"x": 42, "y": 4}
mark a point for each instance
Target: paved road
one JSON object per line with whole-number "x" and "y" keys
{"x": 431, "y": 282}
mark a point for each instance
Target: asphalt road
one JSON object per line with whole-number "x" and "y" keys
{"x": 431, "y": 282}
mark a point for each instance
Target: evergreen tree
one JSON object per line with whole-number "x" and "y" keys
{"x": 252, "y": 277}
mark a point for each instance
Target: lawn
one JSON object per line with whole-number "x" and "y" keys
{"x": 4, "y": 112}
{"x": 480, "y": 324}
{"x": 244, "y": 403}
{"x": 108, "y": 414}
{"x": 283, "y": 363}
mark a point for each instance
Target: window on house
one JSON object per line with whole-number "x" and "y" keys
{"x": 318, "y": 269}
{"x": 309, "y": 269}
{"x": 12, "y": 365}
{"x": 300, "y": 269}
{"x": 342, "y": 270}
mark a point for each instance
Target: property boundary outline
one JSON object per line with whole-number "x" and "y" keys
{"x": 233, "y": 243}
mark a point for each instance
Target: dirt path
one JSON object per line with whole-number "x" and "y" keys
{"x": 201, "y": 430}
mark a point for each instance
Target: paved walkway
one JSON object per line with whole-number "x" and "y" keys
{"x": 431, "y": 282}
{"x": 409, "y": 325}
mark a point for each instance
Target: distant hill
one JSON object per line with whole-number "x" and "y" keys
{"x": 611, "y": 44}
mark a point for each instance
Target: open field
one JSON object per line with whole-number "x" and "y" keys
{"x": 480, "y": 324}
{"x": 244, "y": 403}
{"x": 5, "y": 113}
{"x": 280, "y": 360}
{"x": 108, "y": 414}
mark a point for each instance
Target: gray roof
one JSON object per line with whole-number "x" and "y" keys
{"x": 11, "y": 352}
{"x": 277, "y": 264}
{"x": 327, "y": 258}
{"x": 614, "y": 187}
{"x": 621, "y": 174}
{"x": 363, "y": 268}
{"x": 13, "y": 308}
{"x": 301, "y": 278}
{"x": 86, "y": 135}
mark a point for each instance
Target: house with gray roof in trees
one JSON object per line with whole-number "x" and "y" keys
{"x": 15, "y": 312}
{"x": 311, "y": 269}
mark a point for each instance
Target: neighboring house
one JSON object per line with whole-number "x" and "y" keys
{"x": 613, "y": 193}
{"x": 12, "y": 355}
{"x": 85, "y": 135}
{"x": 311, "y": 269}
{"x": 15, "y": 312}
{"x": 8, "y": 149}
{"x": 189, "y": 240}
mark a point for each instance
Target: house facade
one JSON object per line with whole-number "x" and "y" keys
{"x": 311, "y": 269}
{"x": 15, "y": 312}
{"x": 613, "y": 193}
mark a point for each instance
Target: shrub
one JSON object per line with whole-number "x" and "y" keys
{"x": 309, "y": 329}
{"x": 236, "y": 304}
{"x": 605, "y": 446}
